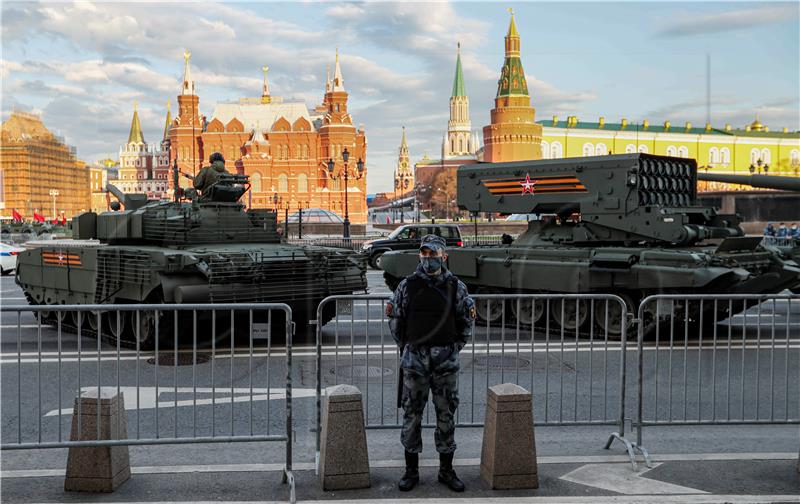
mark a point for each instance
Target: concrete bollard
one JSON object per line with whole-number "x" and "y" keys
{"x": 102, "y": 468}
{"x": 508, "y": 454}
{"x": 344, "y": 460}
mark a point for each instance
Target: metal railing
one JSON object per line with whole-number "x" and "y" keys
{"x": 717, "y": 360}
{"x": 566, "y": 349}
{"x": 141, "y": 353}
{"x": 780, "y": 241}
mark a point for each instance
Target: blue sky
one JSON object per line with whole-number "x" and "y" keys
{"x": 82, "y": 65}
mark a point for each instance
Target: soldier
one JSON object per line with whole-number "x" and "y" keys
{"x": 430, "y": 316}
{"x": 209, "y": 175}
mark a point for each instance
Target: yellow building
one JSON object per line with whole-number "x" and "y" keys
{"x": 742, "y": 151}
{"x": 39, "y": 172}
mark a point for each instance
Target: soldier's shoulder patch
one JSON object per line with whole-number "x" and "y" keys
{"x": 389, "y": 309}
{"x": 472, "y": 313}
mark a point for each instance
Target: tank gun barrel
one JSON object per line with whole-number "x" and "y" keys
{"x": 760, "y": 181}
{"x": 129, "y": 201}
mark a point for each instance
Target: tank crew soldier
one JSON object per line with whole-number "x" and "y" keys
{"x": 209, "y": 175}
{"x": 430, "y": 317}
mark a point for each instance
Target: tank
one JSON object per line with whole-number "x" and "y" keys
{"x": 194, "y": 249}
{"x": 625, "y": 224}
{"x": 790, "y": 247}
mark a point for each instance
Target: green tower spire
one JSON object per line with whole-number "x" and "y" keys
{"x": 458, "y": 82}
{"x": 512, "y": 76}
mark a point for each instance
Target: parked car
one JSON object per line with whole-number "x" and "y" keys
{"x": 407, "y": 237}
{"x": 8, "y": 258}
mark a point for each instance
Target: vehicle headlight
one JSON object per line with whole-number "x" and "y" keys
{"x": 366, "y": 247}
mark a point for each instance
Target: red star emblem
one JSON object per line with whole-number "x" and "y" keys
{"x": 528, "y": 185}
{"x": 61, "y": 258}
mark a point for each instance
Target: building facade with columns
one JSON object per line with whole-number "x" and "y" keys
{"x": 144, "y": 167}
{"x": 750, "y": 149}
{"x": 283, "y": 146}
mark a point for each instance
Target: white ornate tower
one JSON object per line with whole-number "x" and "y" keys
{"x": 460, "y": 142}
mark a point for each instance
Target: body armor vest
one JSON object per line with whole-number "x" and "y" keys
{"x": 430, "y": 316}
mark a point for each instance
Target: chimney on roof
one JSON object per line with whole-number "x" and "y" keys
{"x": 624, "y": 123}
{"x": 728, "y": 127}
{"x": 785, "y": 129}
{"x": 645, "y": 124}
{"x": 602, "y": 122}
{"x": 688, "y": 126}
{"x": 555, "y": 120}
{"x": 708, "y": 126}
{"x": 667, "y": 125}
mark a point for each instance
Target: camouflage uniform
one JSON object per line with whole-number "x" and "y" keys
{"x": 433, "y": 368}
{"x": 209, "y": 176}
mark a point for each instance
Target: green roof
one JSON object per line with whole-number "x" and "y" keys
{"x": 659, "y": 128}
{"x": 458, "y": 82}
{"x": 512, "y": 78}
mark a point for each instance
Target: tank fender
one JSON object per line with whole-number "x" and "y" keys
{"x": 169, "y": 283}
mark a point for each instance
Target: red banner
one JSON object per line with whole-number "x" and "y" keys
{"x": 37, "y": 217}
{"x": 16, "y": 215}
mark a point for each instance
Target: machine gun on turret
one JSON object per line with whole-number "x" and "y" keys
{"x": 626, "y": 198}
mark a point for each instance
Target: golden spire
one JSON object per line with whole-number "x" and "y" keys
{"x": 168, "y": 120}
{"x": 512, "y": 27}
{"x": 265, "y": 96}
{"x": 135, "y": 136}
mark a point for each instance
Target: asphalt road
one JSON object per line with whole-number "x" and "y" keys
{"x": 747, "y": 368}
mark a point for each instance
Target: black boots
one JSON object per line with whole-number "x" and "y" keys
{"x": 447, "y": 475}
{"x": 411, "y": 477}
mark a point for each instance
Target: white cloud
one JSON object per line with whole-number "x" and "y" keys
{"x": 694, "y": 24}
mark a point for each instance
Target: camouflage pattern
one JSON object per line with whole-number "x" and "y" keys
{"x": 430, "y": 368}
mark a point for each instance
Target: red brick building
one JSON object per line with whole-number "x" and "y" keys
{"x": 282, "y": 145}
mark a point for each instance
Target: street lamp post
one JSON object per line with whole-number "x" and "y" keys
{"x": 331, "y": 169}
{"x": 54, "y": 194}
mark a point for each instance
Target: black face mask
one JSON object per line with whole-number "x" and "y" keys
{"x": 431, "y": 264}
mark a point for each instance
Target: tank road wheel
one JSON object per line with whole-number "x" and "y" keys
{"x": 488, "y": 311}
{"x": 142, "y": 327}
{"x": 115, "y": 323}
{"x": 575, "y": 313}
{"x": 90, "y": 320}
{"x": 528, "y": 311}
{"x": 611, "y": 321}
{"x": 77, "y": 318}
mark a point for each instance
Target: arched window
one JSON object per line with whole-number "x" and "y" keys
{"x": 630, "y": 149}
{"x": 794, "y": 157}
{"x": 460, "y": 144}
{"x": 545, "y": 150}
{"x": 672, "y": 151}
{"x": 754, "y": 156}
{"x": 766, "y": 155}
{"x": 556, "y": 150}
{"x": 713, "y": 155}
{"x": 588, "y": 149}
{"x": 283, "y": 183}
{"x": 683, "y": 151}
{"x": 643, "y": 149}
{"x": 302, "y": 183}
{"x": 600, "y": 149}
{"x": 255, "y": 182}
{"x": 305, "y": 151}
{"x": 725, "y": 156}
{"x": 285, "y": 152}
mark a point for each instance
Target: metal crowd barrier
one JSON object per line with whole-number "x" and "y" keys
{"x": 207, "y": 400}
{"x": 574, "y": 368}
{"x": 780, "y": 241}
{"x": 472, "y": 240}
{"x": 717, "y": 360}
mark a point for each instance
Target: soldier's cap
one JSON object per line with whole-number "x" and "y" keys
{"x": 433, "y": 242}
